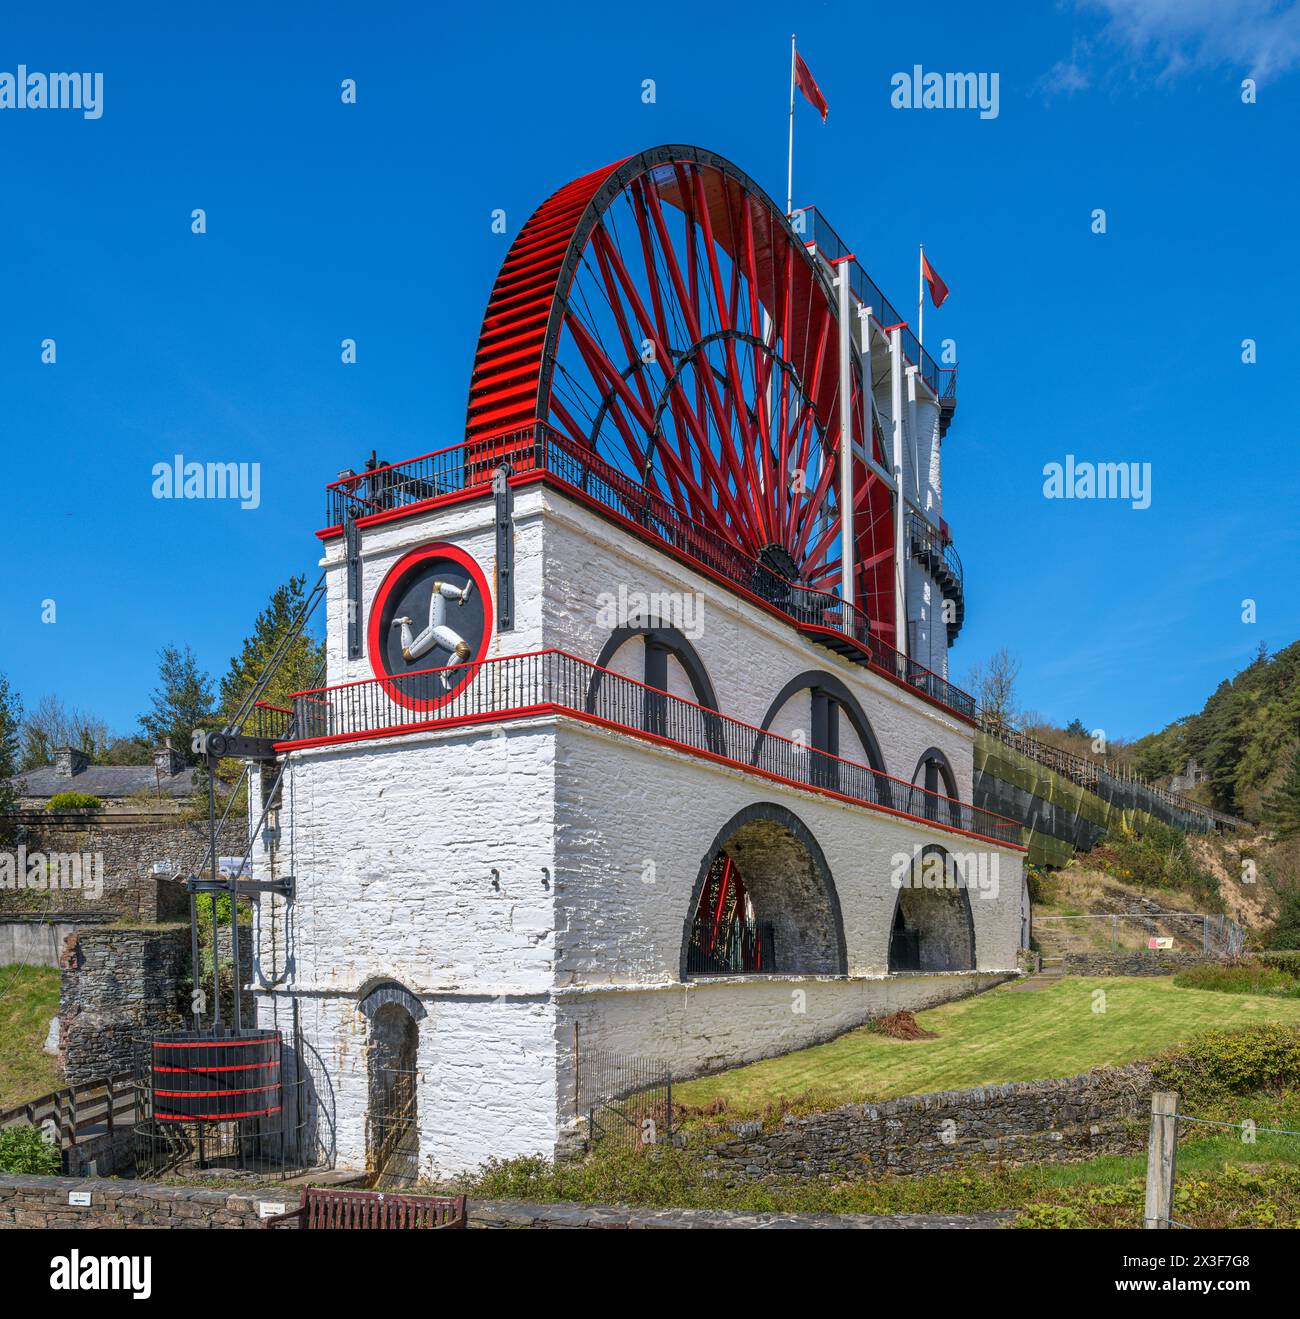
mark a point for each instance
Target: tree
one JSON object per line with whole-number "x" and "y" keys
{"x": 1076, "y": 728}
{"x": 51, "y": 725}
{"x": 1286, "y": 929}
{"x": 1282, "y": 807}
{"x": 994, "y": 685}
{"x": 11, "y": 718}
{"x": 301, "y": 662}
{"x": 182, "y": 701}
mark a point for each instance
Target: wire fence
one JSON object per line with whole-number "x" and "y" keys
{"x": 1213, "y": 934}
{"x": 1162, "y": 1150}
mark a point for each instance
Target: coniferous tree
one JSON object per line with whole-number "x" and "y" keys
{"x": 1282, "y": 807}
{"x": 182, "y": 701}
{"x": 11, "y": 718}
{"x": 300, "y": 665}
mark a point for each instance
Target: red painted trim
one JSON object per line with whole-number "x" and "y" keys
{"x": 212, "y": 1117}
{"x": 848, "y": 256}
{"x": 215, "y": 1094}
{"x": 897, "y": 325}
{"x": 396, "y": 730}
{"x": 229, "y": 1067}
{"x": 235, "y": 1042}
{"x": 374, "y": 646}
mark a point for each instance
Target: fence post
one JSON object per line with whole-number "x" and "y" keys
{"x": 1162, "y": 1146}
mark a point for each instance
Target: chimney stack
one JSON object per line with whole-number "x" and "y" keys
{"x": 166, "y": 761}
{"x": 69, "y": 761}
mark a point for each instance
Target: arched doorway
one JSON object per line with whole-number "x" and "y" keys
{"x": 932, "y": 929}
{"x": 392, "y": 1067}
{"x": 764, "y": 902}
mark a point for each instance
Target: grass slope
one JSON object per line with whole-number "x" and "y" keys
{"x": 29, "y": 997}
{"x": 991, "y": 1038}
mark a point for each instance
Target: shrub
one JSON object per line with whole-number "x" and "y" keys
{"x": 1044, "y": 887}
{"x": 1250, "y": 976}
{"x": 24, "y": 1150}
{"x": 1220, "y": 1063}
{"x": 1286, "y": 929}
{"x": 73, "y": 801}
{"x": 1156, "y": 856}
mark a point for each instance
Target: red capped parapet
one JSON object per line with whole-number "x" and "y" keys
{"x": 214, "y": 1078}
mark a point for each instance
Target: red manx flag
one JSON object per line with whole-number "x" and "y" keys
{"x": 938, "y": 289}
{"x": 807, "y": 84}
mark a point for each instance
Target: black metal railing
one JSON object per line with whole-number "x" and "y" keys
{"x": 623, "y": 1097}
{"x": 942, "y": 381}
{"x": 732, "y": 947}
{"x": 927, "y": 537}
{"x": 551, "y": 681}
{"x": 1091, "y": 774}
{"x": 538, "y": 448}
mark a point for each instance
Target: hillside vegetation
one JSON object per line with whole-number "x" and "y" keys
{"x": 1243, "y": 738}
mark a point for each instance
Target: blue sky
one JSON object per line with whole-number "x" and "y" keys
{"x": 372, "y": 222}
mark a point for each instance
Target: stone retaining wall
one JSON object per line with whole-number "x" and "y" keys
{"x": 1076, "y": 1117}
{"x": 116, "y": 987}
{"x": 43, "y": 1202}
{"x": 1132, "y": 962}
{"x": 131, "y": 888}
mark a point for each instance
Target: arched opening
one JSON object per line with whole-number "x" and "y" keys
{"x": 933, "y": 774}
{"x": 932, "y": 928}
{"x": 668, "y": 662}
{"x": 836, "y": 724}
{"x": 764, "y": 902}
{"x": 392, "y": 1065}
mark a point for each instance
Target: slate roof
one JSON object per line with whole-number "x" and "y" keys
{"x": 104, "y": 781}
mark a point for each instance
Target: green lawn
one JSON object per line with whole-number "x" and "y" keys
{"x": 29, "y": 997}
{"x": 990, "y": 1038}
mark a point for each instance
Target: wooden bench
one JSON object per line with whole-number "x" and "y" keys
{"x": 326, "y": 1207}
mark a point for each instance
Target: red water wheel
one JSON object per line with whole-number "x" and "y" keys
{"x": 663, "y": 313}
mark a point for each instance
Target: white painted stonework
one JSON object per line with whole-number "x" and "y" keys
{"x": 530, "y": 881}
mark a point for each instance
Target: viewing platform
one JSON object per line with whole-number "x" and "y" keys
{"x": 552, "y": 682}
{"x": 538, "y": 453}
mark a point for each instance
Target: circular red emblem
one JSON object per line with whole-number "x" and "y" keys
{"x": 430, "y": 624}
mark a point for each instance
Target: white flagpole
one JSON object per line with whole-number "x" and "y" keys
{"x": 920, "y": 297}
{"x": 789, "y": 169}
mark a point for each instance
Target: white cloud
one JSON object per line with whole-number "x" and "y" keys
{"x": 1260, "y": 37}
{"x": 1066, "y": 77}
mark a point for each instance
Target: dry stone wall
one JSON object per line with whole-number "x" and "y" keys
{"x": 1054, "y": 1120}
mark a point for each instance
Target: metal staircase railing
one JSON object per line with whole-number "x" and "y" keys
{"x": 1088, "y": 773}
